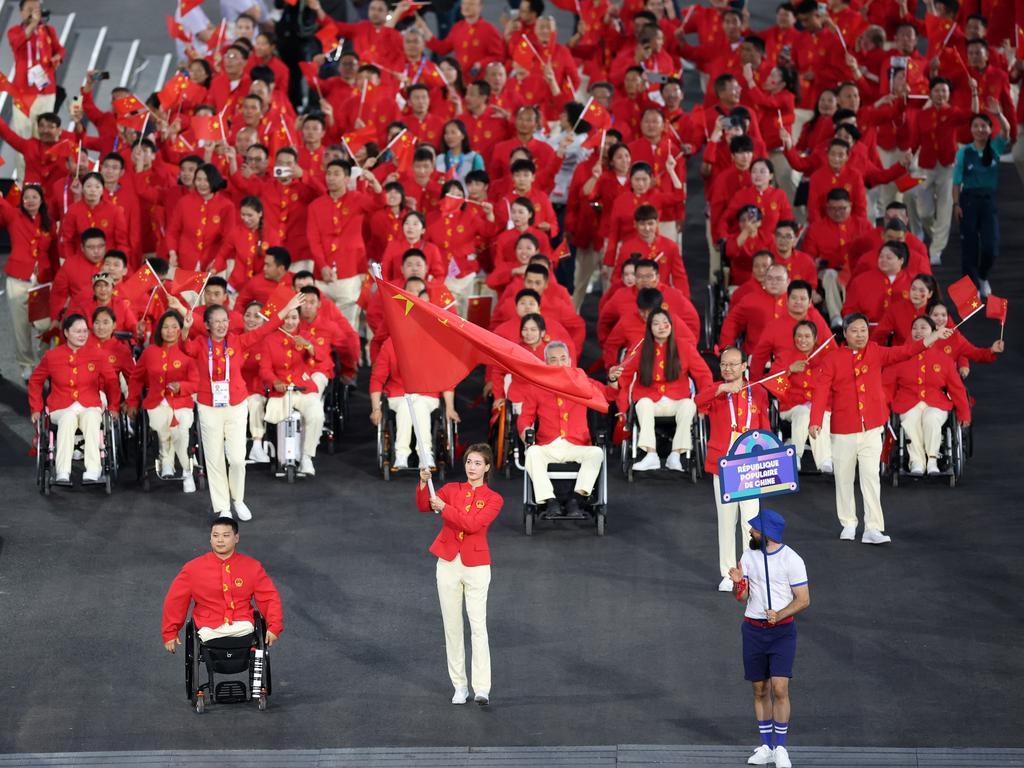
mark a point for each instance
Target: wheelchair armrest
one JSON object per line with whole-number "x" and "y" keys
{"x": 530, "y": 437}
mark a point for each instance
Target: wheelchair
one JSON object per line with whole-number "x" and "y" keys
{"x": 716, "y": 301}
{"x": 228, "y": 656}
{"x": 956, "y": 447}
{"x": 664, "y": 430}
{"x": 597, "y": 506}
{"x": 446, "y": 438}
{"x": 336, "y": 412}
{"x": 509, "y": 451}
{"x": 286, "y": 437}
{"x": 46, "y": 454}
{"x": 147, "y": 452}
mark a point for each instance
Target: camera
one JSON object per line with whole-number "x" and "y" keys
{"x": 44, "y": 16}
{"x": 658, "y": 78}
{"x": 280, "y": 172}
{"x": 734, "y": 121}
{"x": 97, "y": 76}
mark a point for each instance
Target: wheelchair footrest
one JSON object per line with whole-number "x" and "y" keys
{"x": 231, "y": 692}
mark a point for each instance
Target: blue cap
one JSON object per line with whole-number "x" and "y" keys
{"x": 774, "y": 524}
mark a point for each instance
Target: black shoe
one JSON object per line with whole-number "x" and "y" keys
{"x": 552, "y": 508}
{"x": 572, "y": 506}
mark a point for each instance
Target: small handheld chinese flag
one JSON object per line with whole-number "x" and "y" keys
{"x": 907, "y": 182}
{"x": 187, "y": 5}
{"x": 277, "y": 300}
{"x": 777, "y": 384}
{"x": 965, "y": 296}
{"x": 39, "y": 302}
{"x": 311, "y": 71}
{"x": 403, "y": 147}
{"x": 176, "y": 31}
{"x": 127, "y": 105}
{"x": 188, "y": 280}
{"x": 179, "y": 89}
{"x": 995, "y": 308}
{"x": 600, "y": 119}
{"x": 327, "y": 35}
{"x": 207, "y": 128}
{"x": 561, "y": 252}
{"x": 523, "y": 54}
{"x": 360, "y": 137}
{"x": 139, "y": 285}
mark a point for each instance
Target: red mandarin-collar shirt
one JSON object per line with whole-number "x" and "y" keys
{"x": 75, "y": 376}
{"x": 468, "y": 513}
{"x": 158, "y": 367}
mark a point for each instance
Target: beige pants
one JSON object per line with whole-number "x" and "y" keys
{"x": 312, "y": 411}
{"x": 729, "y": 516}
{"x": 26, "y": 126}
{"x": 321, "y": 382}
{"x": 173, "y": 440}
{"x": 833, "y": 292}
{"x": 223, "y": 432}
{"x": 345, "y": 292}
{"x": 670, "y": 230}
{"x": 422, "y": 407}
{"x": 588, "y": 260}
{"x": 17, "y": 303}
{"x": 257, "y": 408}
{"x": 799, "y": 418}
{"x": 234, "y": 629}
{"x": 886, "y": 193}
{"x": 458, "y": 584}
{"x": 714, "y": 255}
{"x": 930, "y": 205}
{"x": 784, "y": 175}
{"x": 800, "y": 118}
{"x": 682, "y": 410}
{"x": 923, "y": 425}
{"x": 68, "y": 420}
{"x": 560, "y": 451}
{"x": 462, "y": 289}
{"x": 863, "y": 451}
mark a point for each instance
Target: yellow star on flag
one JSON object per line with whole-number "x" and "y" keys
{"x": 408, "y": 302}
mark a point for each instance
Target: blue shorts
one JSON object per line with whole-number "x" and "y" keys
{"x": 768, "y": 651}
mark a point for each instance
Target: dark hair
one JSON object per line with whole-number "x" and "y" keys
{"x": 477, "y": 176}
{"x": 44, "y": 215}
{"x": 522, "y": 166}
{"x": 92, "y": 175}
{"x": 311, "y": 289}
{"x": 213, "y": 176}
{"x": 529, "y": 237}
{"x": 170, "y": 314}
{"x": 538, "y": 269}
{"x": 805, "y": 324}
{"x": 933, "y": 286}
{"x": 526, "y": 203}
{"x": 645, "y": 213}
{"x": 641, "y": 167}
{"x": 280, "y": 256}
{"x": 648, "y": 299}
{"x": 741, "y": 143}
{"x": 901, "y": 250}
{"x": 648, "y": 263}
{"x": 103, "y": 311}
{"x": 987, "y": 155}
{"x": 70, "y": 320}
{"x": 465, "y": 146}
{"x": 528, "y": 293}
{"x": 538, "y": 319}
{"x": 931, "y": 323}
{"x": 113, "y": 156}
{"x": 212, "y": 309}
{"x": 853, "y": 318}
{"x": 799, "y": 285}
{"x": 413, "y": 252}
{"x": 484, "y": 451}
{"x": 646, "y": 367}
{"x": 92, "y": 233}
{"x": 228, "y": 521}
{"x": 216, "y": 281}
{"x": 117, "y": 255}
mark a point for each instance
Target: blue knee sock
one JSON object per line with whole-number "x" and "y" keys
{"x": 781, "y": 729}
{"x": 765, "y": 729}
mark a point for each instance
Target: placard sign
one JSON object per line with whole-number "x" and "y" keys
{"x": 757, "y": 465}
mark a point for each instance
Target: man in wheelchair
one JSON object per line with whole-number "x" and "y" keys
{"x": 562, "y": 436}
{"x": 222, "y": 584}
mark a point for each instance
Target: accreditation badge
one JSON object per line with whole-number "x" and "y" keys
{"x": 221, "y": 394}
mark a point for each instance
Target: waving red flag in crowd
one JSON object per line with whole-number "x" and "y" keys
{"x": 141, "y": 282}
{"x": 277, "y": 300}
{"x": 436, "y": 350}
{"x": 207, "y": 128}
{"x": 188, "y": 280}
{"x": 964, "y": 295}
{"x": 995, "y": 308}
{"x": 176, "y": 30}
{"x": 179, "y": 90}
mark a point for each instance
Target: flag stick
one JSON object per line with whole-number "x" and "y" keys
{"x": 764, "y": 551}
{"x": 392, "y": 142}
{"x": 1002, "y": 327}
{"x": 420, "y": 445}
{"x": 976, "y": 311}
{"x": 824, "y": 344}
{"x": 580, "y": 118}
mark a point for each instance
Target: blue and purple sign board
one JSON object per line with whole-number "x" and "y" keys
{"x": 757, "y": 465}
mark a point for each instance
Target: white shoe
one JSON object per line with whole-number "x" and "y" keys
{"x": 62, "y": 479}
{"x": 226, "y": 513}
{"x": 258, "y": 453}
{"x": 167, "y": 470}
{"x": 871, "y": 536}
{"x": 306, "y": 466}
{"x": 674, "y": 462}
{"x": 26, "y": 373}
{"x": 242, "y": 511}
{"x": 984, "y": 289}
{"x": 402, "y": 462}
{"x": 826, "y": 467}
{"x": 933, "y": 467}
{"x": 725, "y": 585}
{"x": 763, "y": 755}
{"x": 935, "y": 259}
{"x": 849, "y": 533}
{"x": 461, "y": 696}
{"x": 916, "y": 470}
{"x": 91, "y": 477}
{"x": 77, "y": 455}
{"x": 188, "y": 483}
{"x": 781, "y": 757}
{"x": 648, "y": 462}
{"x": 483, "y": 698}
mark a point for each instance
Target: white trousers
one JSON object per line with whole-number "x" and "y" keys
{"x": 68, "y": 420}
{"x": 729, "y": 516}
{"x": 683, "y": 411}
{"x": 173, "y": 440}
{"x": 223, "y": 432}
{"x": 863, "y": 451}
{"x": 833, "y": 292}
{"x": 422, "y": 407}
{"x": 930, "y": 206}
{"x": 257, "y": 407}
{"x": 923, "y": 426}
{"x": 17, "y": 302}
{"x": 587, "y": 262}
{"x": 462, "y": 289}
{"x": 308, "y": 404}
{"x": 345, "y": 293}
{"x": 459, "y": 584}
{"x": 560, "y": 451}
{"x": 799, "y": 418}
{"x": 234, "y": 629}
{"x": 886, "y": 193}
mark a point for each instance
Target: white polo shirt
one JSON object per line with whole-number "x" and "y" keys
{"x": 786, "y": 570}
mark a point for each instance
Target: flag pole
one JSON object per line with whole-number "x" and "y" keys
{"x": 582, "y": 113}
{"x": 976, "y": 311}
{"x": 764, "y": 551}
{"x": 420, "y": 446}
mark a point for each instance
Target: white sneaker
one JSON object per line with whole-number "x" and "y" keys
{"x": 258, "y": 453}
{"x": 781, "y": 757}
{"x": 167, "y": 470}
{"x": 648, "y": 462}
{"x": 933, "y": 467}
{"x": 483, "y": 698}
{"x": 916, "y": 470}
{"x": 188, "y": 483}
{"x": 984, "y": 289}
{"x": 77, "y": 455}
{"x": 871, "y": 536}
{"x": 674, "y": 462}
{"x": 826, "y": 467}
{"x": 91, "y": 477}
{"x": 461, "y": 696}
{"x": 402, "y": 462}
{"x": 849, "y": 533}
{"x": 306, "y": 466}
{"x": 725, "y": 585}
{"x": 763, "y": 755}
{"x": 242, "y": 511}
{"x": 935, "y": 259}
{"x": 26, "y": 373}
{"x": 226, "y": 513}
{"x": 62, "y": 479}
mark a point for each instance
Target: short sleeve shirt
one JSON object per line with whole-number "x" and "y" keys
{"x": 786, "y": 570}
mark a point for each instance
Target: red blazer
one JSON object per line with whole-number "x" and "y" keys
{"x": 232, "y": 346}
{"x": 391, "y": 260}
{"x": 690, "y": 364}
{"x": 74, "y": 376}
{"x": 334, "y": 229}
{"x": 468, "y": 513}
{"x": 385, "y": 376}
{"x": 663, "y": 251}
{"x": 799, "y": 265}
{"x": 283, "y": 360}
{"x": 198, "y": 229}
{"x": 777, "y": 338}
{"x": 801, "y": 385}
{"x": 720, "y": 415}
{"x": 554, "y": 416}
{"x": 873, "y": 293}
{"x": 624, "y": 304}
{"x": 750, "y": 317}
{"x": 105, "y": 216}
{"x": 330, "y": 335}
{"x": 930, "y": 377}
{"x": 157, "y": 367}
{"x": 222, "y": 591}
{"x": 258, "y": 288}
{"x": 630, "y": 330}
{"x": 30, "y": 243}
{"x": 117, "y": 352}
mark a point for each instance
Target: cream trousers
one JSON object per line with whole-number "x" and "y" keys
{"x": 683, "y": 411}
{"x": 863, "y": 451}
{"x": 729, "y": 516}
{"x": 560, "y": 451}
{"x": 422, "y": 407}
{"x": 223, "y": 432}
{"x": 923, "y": 425}
{"x": 68, "y": 420}
{"x": 234, "y": 629}
{"x": 459, "y": 584}
{"x": 799, "y": 418}
{"x": 345, "y": 292}
{"x": 173, "y": 440}
{"x": 312, "y": 410}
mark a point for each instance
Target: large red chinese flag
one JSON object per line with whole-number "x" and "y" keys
{"x": 965, "y": 296}
{"x": 436, "y": 350}
{"x": 995, "y": 308}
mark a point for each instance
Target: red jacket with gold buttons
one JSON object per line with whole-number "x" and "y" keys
{"x": 334, "y": 229}
{"x": 468, "y": 513}
{"x": 284, "y": 360}
{"x": 801, "y": 385}
{"x": 853, "y": 381}
{"x": 750, "y": 406}
{"x": 222, "y": 591}
{"x": 158, "y": 367}
{"x": 873, "y": 293}
{"x": 75, "y": 376}
{"x": 691, "y": 364}
{"x": 30, "y": 243}
{"x": 198, "y": 229}
{"x": 930, "y": 377}
{"x": 555, "y": 416}
{"x": 219, "y": 355}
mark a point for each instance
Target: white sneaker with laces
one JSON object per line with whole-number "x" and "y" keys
{"x": 648, "y": 462}
{"x": 26, "y": 373}
{"x": 781, "y": 758}
{"x": 91, "y": 477}
{"x": 849, "y": 533}
{"x": 872, "y": 536}
{"x": 167, "y": 470}
{"x": 62, "y": 479}
{"x": 461, "y": 696}
{"x": 984, "y": 289}
{"x": 933, "y": 467}
{"x": 763, "y": 755}
{"x": 916, "y": 470}
{"x": 258, "y": 453}
{"x": 188, "y": 483}
{"x": 674, "y": 462}
{"x": 826, "y": 467}
{"x": 402, "y": 462}
{"x": 306, "y": 466}
{"x": 242, "y": 511}
{"x": 483, "y": 698}
{"x": 725, "y": 585}
{"x": 226, "y": 513}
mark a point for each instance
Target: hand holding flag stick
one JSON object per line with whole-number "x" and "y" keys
{"x": 421, "y": 447}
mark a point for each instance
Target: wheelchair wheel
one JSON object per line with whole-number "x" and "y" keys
{"x": 528, "y": 523}
{"x": 108, "y": 484}
{"x": 262, "y": 704}
{"x": 190, "y": 661}
{"x": 601, "y": 523}
{"x": 289, "y": 474}
{"x": 45, "y": 489}
{"x": 956, "y": 454}
{"x": 693, "y": 468}
{"x": 200, "y": 703}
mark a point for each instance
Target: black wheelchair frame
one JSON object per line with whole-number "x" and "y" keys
{"x": 446, "y": 438}
{"x": 228, "y": 656}
{"x": 147, "y": 452}
{"x": 957, "y": 446}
